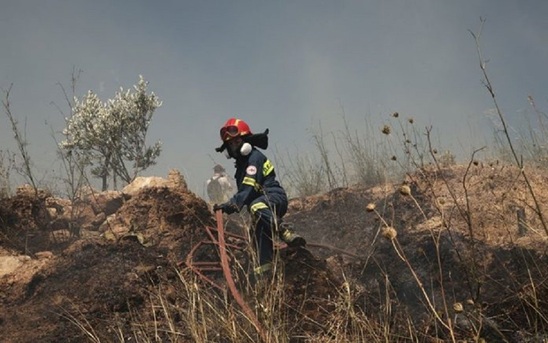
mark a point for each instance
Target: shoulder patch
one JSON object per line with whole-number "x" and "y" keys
{"x": 251, "y": 170}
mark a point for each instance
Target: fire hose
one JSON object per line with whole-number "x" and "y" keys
{"x": 199, "y": 268}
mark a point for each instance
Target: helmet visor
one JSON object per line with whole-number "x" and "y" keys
{"x": 229, "y": 132}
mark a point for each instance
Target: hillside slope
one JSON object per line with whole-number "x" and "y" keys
{"x": 113, "y": 265}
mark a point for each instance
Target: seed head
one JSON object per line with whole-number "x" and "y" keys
{"x": 394, "y": 158}
{"x": 370, "y": 207}
{"x": 405, "y": 190}
{"x": 458, "y": 307}
{"x": 386, "y": 130}
{"x": 395, "y": 114}
{"x": 389, "y": 232}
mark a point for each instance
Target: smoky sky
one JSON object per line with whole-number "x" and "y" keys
{"x": 290, "y": 66}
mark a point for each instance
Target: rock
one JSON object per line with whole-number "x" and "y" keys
{"x": 29, "y": 191}
{"x": 42, "y": 255}
{"x": 143, "y": 182}
{"x": 60, "y": 205}
{"x": 9, "y": 264}
{"x": 335, "y": 264}
{"x": 24, "y": 258}
{"x": 176, "y": 179}
{"x": 115, "y": 225}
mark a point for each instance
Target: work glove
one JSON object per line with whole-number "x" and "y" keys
{"x": 227, "y": 207}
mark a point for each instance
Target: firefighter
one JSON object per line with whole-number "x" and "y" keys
{"x": 258, "y": 189}
{"x": 219, "y": 188}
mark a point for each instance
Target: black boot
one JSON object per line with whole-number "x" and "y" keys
{"x": 290, "y": 237}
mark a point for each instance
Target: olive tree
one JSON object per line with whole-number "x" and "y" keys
{"x": 112, "y": 134}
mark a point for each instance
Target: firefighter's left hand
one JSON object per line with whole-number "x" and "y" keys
{"x": 227, "y": 208}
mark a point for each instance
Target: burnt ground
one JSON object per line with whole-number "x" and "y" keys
{"x": 93, "y": 264}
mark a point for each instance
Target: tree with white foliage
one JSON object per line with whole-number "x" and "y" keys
{"x": 112, "y": 134}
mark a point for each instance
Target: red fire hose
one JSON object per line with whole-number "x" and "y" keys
{"x": 230, "y": 281}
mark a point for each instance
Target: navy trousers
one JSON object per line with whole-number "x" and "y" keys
{"x": 267, "y": 211}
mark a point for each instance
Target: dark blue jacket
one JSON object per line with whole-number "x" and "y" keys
{"x": 255, "y": 176}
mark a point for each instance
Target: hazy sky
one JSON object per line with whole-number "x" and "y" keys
{"x": 285, "y": 65}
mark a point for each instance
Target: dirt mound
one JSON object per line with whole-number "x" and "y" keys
{"x": 113, "y": 266}
{"x": 461, "y": 235}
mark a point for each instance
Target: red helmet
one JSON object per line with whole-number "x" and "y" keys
{"x": 234, "y": 128}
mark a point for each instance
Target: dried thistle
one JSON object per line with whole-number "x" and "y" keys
{"x": 405, "y": 190}
{"x": 395, "y": 115}
{"x": 386, "y": 129}
{"x": 370, "y": 207}
{"x": 394, "y": 158}
{"x": 458, "y": 307}
{"x": 411, "y": 120}
{"x": 389, "y": 232}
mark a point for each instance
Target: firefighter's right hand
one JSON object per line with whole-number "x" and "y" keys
{"x": 227, "y": 208}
